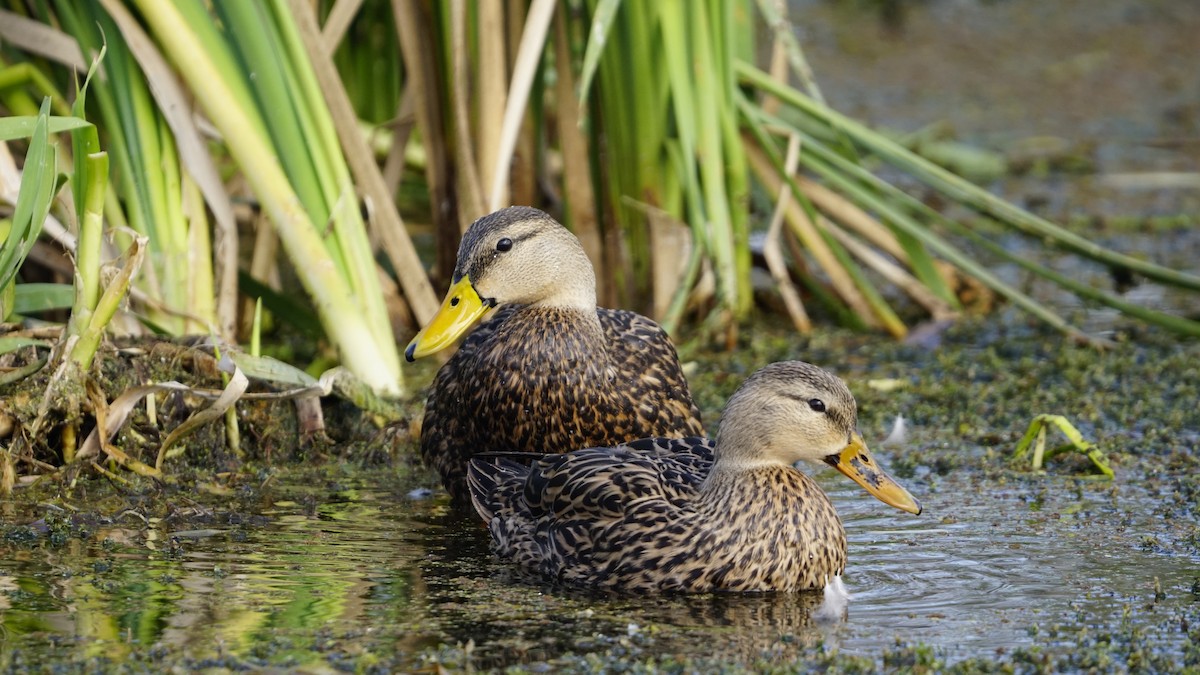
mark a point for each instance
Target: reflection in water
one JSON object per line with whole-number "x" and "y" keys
{"x": 372, "y": 566}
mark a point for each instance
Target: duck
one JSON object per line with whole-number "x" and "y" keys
{"x": 547, "y": 371}
{"x": 694, "y": 515}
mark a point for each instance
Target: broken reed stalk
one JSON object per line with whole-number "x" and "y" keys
{"x": 808, "y": 235}
{"x": 904, "y": 223}
{"x": 772, "y": 252}
{"x": 960, "y": 189}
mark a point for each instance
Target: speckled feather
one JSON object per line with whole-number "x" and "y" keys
{"x": 693, "y": 515}
{"x": 631, "y": 518}
{"x": 550, "y": 380}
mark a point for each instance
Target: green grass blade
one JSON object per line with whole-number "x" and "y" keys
{"x": 942, "y": 248}
{"x": 12, "y": 128}
{"x": 602, "y": 22}
{"x": 873, "y": 195}
{"x": 91, "y": 174}
{"x": 364, "y": 353}
{"x": 38, "y": 187}
{"x": 281, "y": 305}
{"x": 843, "y": 175}
{"x": 962, "y": 190}
{"x": 12, "y": 344}
{"x": 31, "y": 298}
{"x": 1171, "y": 322}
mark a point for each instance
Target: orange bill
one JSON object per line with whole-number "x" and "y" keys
{"x": 856, "y": 462}
{"x": 461, "y": 308}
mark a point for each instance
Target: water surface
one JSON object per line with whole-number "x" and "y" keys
{"x": 333, "y": 572}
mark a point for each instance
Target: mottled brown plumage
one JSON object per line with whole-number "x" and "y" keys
{"x": 549, "y": 371}
{"x": 691, "y": 514}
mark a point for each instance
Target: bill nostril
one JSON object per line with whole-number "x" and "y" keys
{"x": 454, "y": 301}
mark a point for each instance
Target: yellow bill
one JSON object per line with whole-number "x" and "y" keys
{"x": 461, "y": 308}
{"x": 856, "y": 462}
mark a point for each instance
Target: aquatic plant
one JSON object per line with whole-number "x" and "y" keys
{"x": 1035, "y": 439}
{"x": 649, "y": 127}
{"x": 661, "y": 171}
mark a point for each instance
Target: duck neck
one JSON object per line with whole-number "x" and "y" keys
{"x": 576, "y": 293}
{"x": 574, "y": 281}
{"x": 747, "y": 436}
{"x": 746, "y": 487}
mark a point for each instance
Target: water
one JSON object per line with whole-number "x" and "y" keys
{"x": 328, "y": 574}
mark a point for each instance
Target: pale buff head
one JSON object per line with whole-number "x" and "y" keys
{"x": 792, "y": 411}
{"x": 520, "y": 255}
{"x": 786, "y": 412}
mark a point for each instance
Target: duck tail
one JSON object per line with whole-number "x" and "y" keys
{"x": 486, "y": 473}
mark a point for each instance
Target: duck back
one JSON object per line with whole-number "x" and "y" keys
{"x": 546, "y": 380}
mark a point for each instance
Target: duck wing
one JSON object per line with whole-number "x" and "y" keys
{"x": 656, "y": 389}
{"x": 557, "y": 513}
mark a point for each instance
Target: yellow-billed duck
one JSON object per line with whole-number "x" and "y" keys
{"x": 694, "y": 515}
{"x": 548, "y": 372}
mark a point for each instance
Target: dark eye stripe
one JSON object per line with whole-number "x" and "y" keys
{"x": 815, "y": 403}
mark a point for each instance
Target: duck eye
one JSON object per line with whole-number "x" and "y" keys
{"x": 504, "y": 244}
{"x": 816, "y": 404}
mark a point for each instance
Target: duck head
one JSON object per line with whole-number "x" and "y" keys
{"x": 792, "y": 411}
{"x": 517, "y": 255}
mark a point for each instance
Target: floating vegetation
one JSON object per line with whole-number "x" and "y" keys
{"x": 1035, "y": 437}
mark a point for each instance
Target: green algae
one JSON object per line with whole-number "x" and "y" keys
{"x": 437, "y": 600}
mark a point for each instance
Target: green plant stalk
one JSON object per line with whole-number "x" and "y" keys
{"x": 150, "y": 160}
{"x": 354, "y": 250}
{"x": 883, "y": 311}
{"x": 224, "y": 61}
{"x": 285, "y": 81}
{"x": 736, "y": 172}
{"x": 306, "y": 95}
{"x": 110, "y": 301}
{"x": 145, "y": 164}
{"x": 12, "y": 128}
{"x": 91, "y": 171}
{"x": 8, "y": 300}
{"x": 935, "y": 243}
{"x": 683, "y": 96}
{"x": 962, "y": 190}
{"x": 643, "y": 100}
{"x": 712, "y": 160}
{"x": 256, "y": 330}
{"x": 233, "y": 433}
{"x": 1177, "y": 324}
{"x": 201, "y": 287}
{"x": 331, "y": 295}
{"x": 174, "y": 261}
{"x": 603, "y": 18}
{"x": 830, "y": 300}
{"x": 19, "y": 102}
{"x": 872, "y": 304}
{"x": 117, "y": 108}
{"x": 91, "y": 184}
{"x": 256, "y": 44}
{"x": 682, "y": 151}
{"x": 614, "y": 127}
{"x": 38, "y": 187}
{"x": 674, "y": 313}
{"x": 838, "y": 171}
